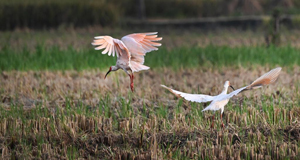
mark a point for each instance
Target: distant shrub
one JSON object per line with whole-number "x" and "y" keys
{"x": 174, "y": 8}
{"x": 204, "y": 8}
{"x": 296, "y": 21}
{"x": 48, "y": 14}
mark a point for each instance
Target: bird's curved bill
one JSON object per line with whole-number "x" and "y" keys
{"x": 231, "y": 87}
{"x": 107, "y": 74}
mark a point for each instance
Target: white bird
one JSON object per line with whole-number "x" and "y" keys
{"x": 130, "y": 51}
{"x": 219, "y": 101}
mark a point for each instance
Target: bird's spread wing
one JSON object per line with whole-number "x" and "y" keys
{"x": 218, "y": 101}
{"x": 111, "y": 46}
{"x": 140, "y": 43}
{"x": 231, "y": 94}
{"x": 265, "y": 79}
{"x": 191, "y": 97}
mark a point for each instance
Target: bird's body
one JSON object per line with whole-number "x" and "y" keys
{"x": 218, "y": 102}
{"x": 217, "y": 106}
{"x": 130, "y": 51}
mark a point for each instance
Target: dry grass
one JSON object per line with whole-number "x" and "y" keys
{"x": 48, "y": 85}
{"x": 80, "y": 115}
{"x": 82, "y": 38}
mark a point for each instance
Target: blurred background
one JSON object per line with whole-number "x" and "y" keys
{"x": 40, "y": 14}
{"x": 66, "y": 25}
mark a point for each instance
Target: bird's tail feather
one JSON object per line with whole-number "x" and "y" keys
{"x": 135, "y": 67}
{"x": 207, "y": 108}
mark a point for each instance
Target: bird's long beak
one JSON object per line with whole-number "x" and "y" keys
{"x": 107, "y": 73}
{"x": 231, "y": 87}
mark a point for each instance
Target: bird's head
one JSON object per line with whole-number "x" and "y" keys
{"x": 227, "y": 84}
{"x": 112, "y": 68}
{"x": 107, "y": 72}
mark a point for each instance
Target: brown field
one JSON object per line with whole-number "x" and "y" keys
{"x": 252, "y": 131}
{"x": 91, "y": 84}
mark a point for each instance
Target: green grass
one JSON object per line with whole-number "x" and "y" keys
{"x": 55, "y": 58}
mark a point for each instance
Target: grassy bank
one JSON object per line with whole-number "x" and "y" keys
{"x": 54, "y": 58}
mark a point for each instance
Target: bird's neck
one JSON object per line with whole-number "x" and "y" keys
{"x": 225, "y": 90}
{"x": 114, "y": 68}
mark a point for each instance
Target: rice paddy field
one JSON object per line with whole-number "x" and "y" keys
{"x": 56, "y": 104}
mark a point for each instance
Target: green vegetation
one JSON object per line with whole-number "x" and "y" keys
{"x": 54, "y": 58}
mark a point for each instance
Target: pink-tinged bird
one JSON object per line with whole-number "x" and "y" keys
{"x": 130, "y": 51}
{"x": 219, "y": 101}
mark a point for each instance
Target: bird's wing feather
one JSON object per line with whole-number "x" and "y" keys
{"x": 231, "y": 94}
{"x": 139, "y": 44}
{"x": 111, "y": 46}
{"x": 191, "y": 97}
{"x": 265, "y": 79}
